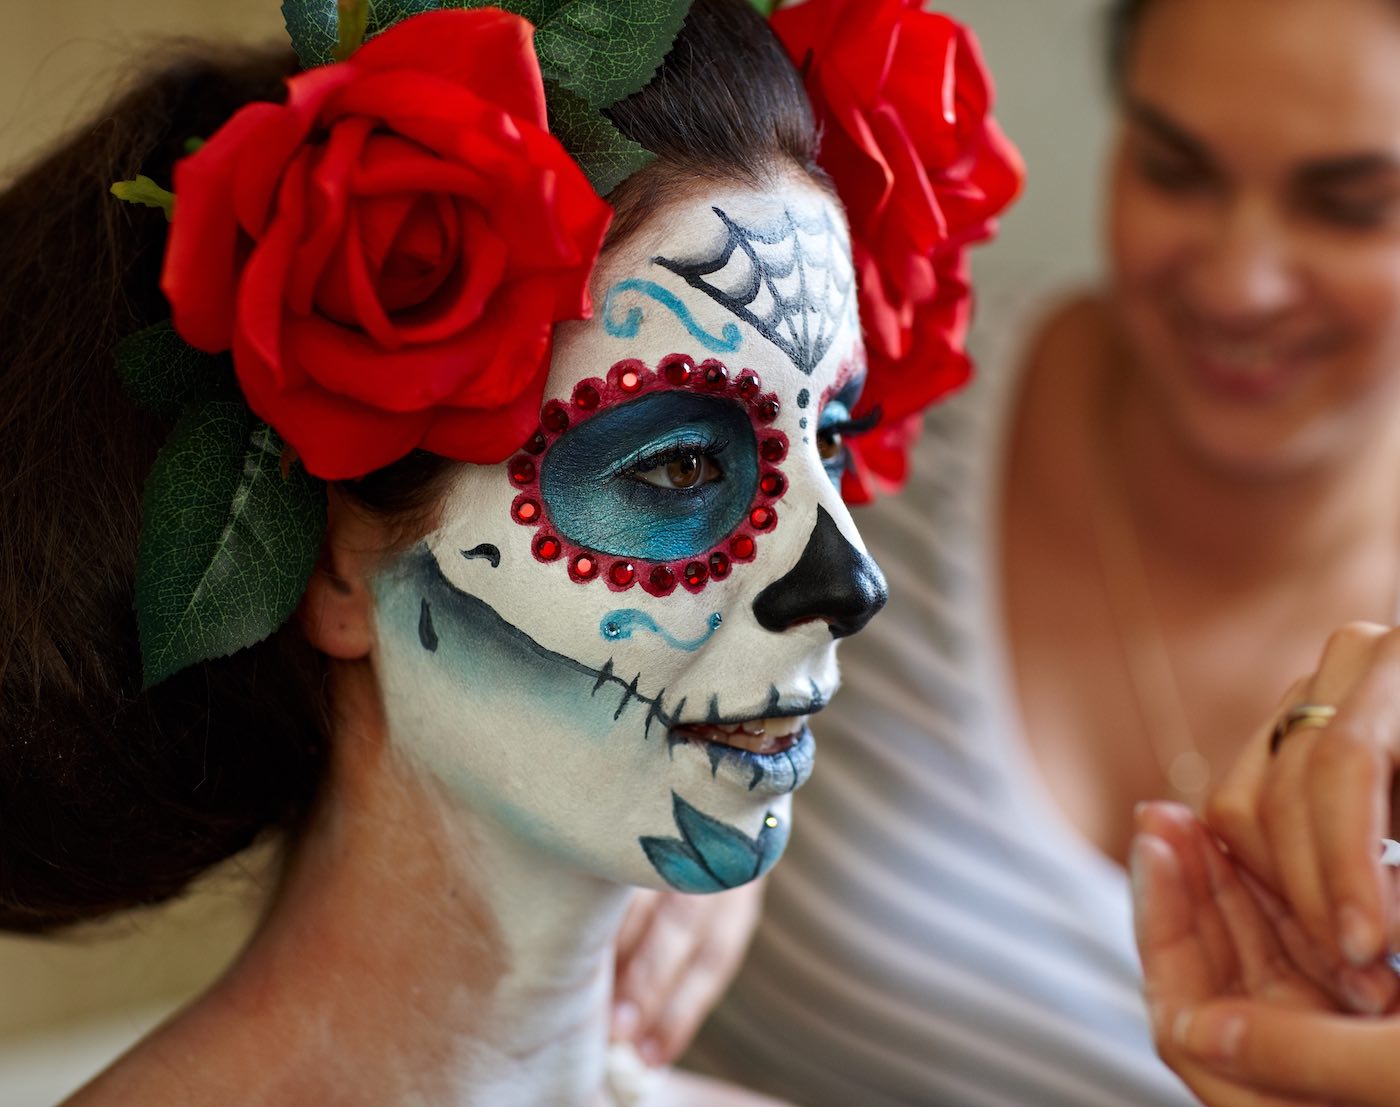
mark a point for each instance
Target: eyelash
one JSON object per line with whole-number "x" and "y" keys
{"x": 707, "y": 447}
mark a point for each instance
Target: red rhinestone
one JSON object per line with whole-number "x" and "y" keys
{"x": 586, "y": 396}
{"x": 762, "y": 518}
{"x": 548, "y": 548}
{"x": 773, "y": 450}
{"x": 522, "y": 470}
{"x": 629, "y": 380}
{"x": 747, "y": 386}
{"x": 677, "y": 369}
{"x": 537, "y": 443}
{"x": 555, "y": 418}
{"x": 719, "y": 565}
{"x": 583, "y": 567}
{"x": 696, "y": 574}
{"x": 773, "y": 484}
{"x": 767, "y": 411}
{"x": 526, "y": 511}
{"x": 662, "y": 580}
{"x": 743, "y": 548}
{"x": 622, "y": 574}
{"x": 716, "y": 375}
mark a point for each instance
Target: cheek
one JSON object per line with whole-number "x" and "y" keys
{"x": 1360, "y": 285}
{"x": 1150, "y": 237}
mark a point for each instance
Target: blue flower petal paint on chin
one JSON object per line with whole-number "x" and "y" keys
{"x": 594, "y": 498}
{"x": 711, "y": 856}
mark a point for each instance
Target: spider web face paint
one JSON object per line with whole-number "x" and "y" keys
{"x": 543, "y": 650}
{"x": 790, "y": 279}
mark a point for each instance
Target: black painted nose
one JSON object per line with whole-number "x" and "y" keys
{"x": 832, "y": 581}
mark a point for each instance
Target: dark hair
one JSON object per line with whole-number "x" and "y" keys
{"x": 110, "y": 796}
{"x": 1123, "y": 19}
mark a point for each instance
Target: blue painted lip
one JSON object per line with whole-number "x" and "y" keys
{"x": 772, "y": 774}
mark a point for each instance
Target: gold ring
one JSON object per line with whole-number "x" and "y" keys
{"x": 1309, "y": 716}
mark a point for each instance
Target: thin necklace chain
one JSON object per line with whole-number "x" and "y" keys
{"x": 1152, "y": 678}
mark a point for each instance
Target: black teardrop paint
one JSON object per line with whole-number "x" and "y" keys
{"x": 426, "y": 634}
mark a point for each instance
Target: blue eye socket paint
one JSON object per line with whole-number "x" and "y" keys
{"x": 836, "y": 420}
{"x": 623, "y": 623}
{"x": 595, "y": 500}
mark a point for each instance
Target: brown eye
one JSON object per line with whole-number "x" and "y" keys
{"x": 688, "y": 470}
{"x": 830, "y": 444}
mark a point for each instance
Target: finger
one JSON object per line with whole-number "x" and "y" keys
{"x": 1232, "y": 811}
{"x": 1303, "y": 1054}
{"x": 696, "y": 992}
{"x": 660, "y": 960}
{"x": 635, "y": 922}
{"x": 1350, "y": 770}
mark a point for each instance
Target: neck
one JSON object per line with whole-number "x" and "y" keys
{"x": 416, "y": 953}
{"x": 1230, "y": 528}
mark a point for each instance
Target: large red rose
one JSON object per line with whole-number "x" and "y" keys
{"x": 387, "y": 252}
{"x": 904, "y": 101}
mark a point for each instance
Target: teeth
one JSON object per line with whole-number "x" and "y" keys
{"x": 756, "y": 736}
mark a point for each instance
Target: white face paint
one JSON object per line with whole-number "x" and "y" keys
{"x": 613, "y": 641}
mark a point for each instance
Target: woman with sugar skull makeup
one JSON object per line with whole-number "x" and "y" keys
{"x": 551, "y": 484}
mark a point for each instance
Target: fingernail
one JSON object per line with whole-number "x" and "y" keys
{"x": 1359, "y": 939}
{"x": 1209, "y": 1036}
{"x": 1362, "y": 993}
{"x": 625, "y": 1018}
{"x": 1139, "y": 809}
{"x": 651, "y": 1052}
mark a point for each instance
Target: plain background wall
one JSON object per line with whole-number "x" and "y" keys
{"x": 66, "y": 1007}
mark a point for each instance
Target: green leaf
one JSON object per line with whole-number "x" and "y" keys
{"x": 193, "y": 145}
{"x": 765, "y": 7}
{"x": 606, "y": 50}
{"x": 606, "y": 155}
{"x": 228, "y": 543}
{"x": 163, "y": 373}
{"x": 315, "y": 28}
{"x": 351, "y": 23}
{"x": 145, "y": 191}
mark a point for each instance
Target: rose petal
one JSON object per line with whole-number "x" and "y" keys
{"x": 327, "y": 204}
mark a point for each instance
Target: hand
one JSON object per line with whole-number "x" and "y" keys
{"x": 1308, "y": 820}
{"x": 1231, "y": 1013}
{"x": 676, "y": 954}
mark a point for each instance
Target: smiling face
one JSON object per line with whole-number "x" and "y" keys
{"x": 1256, "y": 223}
{"x": 613, "y": 641}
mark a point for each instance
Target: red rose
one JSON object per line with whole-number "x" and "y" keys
{"x": 922, "y": 169}
{"x": 387, "y": 252}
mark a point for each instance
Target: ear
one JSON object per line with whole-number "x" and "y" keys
{"x": 337, "y": 610}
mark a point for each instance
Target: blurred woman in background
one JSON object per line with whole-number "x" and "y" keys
{"x": 1116, "y": 555}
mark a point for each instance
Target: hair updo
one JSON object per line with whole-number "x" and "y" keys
{"x": 111, "y": 797}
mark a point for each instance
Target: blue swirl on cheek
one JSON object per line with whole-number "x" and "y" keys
{"x": 627, "y": 327}
{"x": 595, "y": 503}
{"x": 617, "y": 625}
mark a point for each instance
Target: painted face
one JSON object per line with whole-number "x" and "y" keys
{"x": 614, "y": 641}
{"x": 1256, "y": 224}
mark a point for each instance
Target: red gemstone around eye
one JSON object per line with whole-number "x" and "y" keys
{"x": 677, "y": 370}
{"x": 526, "y": 511}
{"x": 773, "y": 450}
{"x": 537, "y": 443}
{"x": 522, "y": 470}
{"x": 555, "y": 418}
{"x": 548, "y": 548}
{"x": 773, "y": 484}
{"x": 762, "y": 518}
{"x": 747, "y": 386}
{"x": 623, "y": 574}
{"x": 696, "y": 574}
{"x": 716, "y": 375}
{"x": 719, "y": 565}
{"x": 583, "y": 568}
{"x": 767, "y": 411}
{"x": 743, "y": 548}
{"x": 629, "y": 380}
{"x": 586, "y": 397}
{"x": 663, "y": 581}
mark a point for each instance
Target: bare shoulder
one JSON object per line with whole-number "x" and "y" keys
{"x": 685, "y": 1089}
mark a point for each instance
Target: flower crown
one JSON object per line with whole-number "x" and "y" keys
{"x": 376, "y": 265}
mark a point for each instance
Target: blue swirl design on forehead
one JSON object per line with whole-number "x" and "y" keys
{"x": 594, "y": 499}
{"x": 628, "y": 327}
{"x": 623, "y": 623}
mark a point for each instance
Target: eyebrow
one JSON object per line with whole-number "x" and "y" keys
{"x": 1326, "y": 172}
